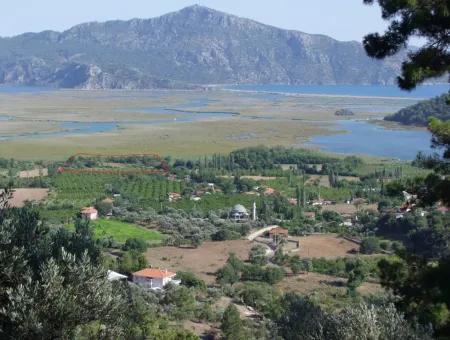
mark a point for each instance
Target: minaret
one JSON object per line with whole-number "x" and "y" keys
{"x": 254, "y": 211}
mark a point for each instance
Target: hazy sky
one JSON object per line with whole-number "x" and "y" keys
{"x": 341, "y": 19}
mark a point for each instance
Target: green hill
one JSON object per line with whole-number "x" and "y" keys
{"x": 420, "y": 113}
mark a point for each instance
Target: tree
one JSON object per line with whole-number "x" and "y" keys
{"x": 104, "y": 207}
{"x": 370, "y": 245}
{"x": 257, "y": 255}
{"x": 365, "y": 321}
{"x": 298, "y": 265}
{"x": 230, "y": 273}
{"x": 45, "y": 291}
{"x": 357, "y": 272}
{"x": 427, "y": 19}
{"x": 189, "y": 280}
{"x": 232, "y": 326}
{"x": 67, "y": 295}
{"x": 279, "y": 257}
{"x": 135, "y": 244}
{"x": 131, "y": 261}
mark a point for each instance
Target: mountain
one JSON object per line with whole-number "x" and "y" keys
{"x": 195, "y": 45}
{"x": 420, "y": 113}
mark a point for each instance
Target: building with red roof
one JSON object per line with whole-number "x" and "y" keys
{"x": 89, "y": 213}
{"x": 154, "y": 278}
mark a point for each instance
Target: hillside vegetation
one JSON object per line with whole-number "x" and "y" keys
{"x": 420, "y": 113}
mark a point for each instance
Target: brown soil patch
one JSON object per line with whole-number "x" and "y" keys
{"x": 343, "y": 208}
{"x": 323, "y": 179}
{"x": 328, "y": 246}
{"x": 20, "y": 196}
{"x": 202, "y": 330}
{"x": 33, "y": 173}
{"x": 313, "y": 283}
{"x": 203, "y": 261}
{"x": 255, "y": 178}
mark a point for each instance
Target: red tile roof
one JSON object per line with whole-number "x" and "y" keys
{"x": 89, "y": 210}
{"x": 278, "y": 231}
{"x": 154, "y": 273}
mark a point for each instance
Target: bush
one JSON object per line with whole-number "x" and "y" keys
{"x": 190, "y": 280}
{"x": 225, "y": 234}
{"x": 298, "y": 265}
{"x": 370, "y": 245}
{"x": 131, "y": 262}
{"x": 135, "y": 244}
{"x": 270, "y": 275}
{"x": 257, "y": 255}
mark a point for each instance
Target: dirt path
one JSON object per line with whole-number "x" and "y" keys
{"x": 260, "y": 232}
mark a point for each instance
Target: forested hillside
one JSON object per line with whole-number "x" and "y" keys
{"x": 420, "y": 113}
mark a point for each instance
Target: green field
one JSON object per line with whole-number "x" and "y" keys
{"x": 83, "y": 189}
{"x": 121, "y": 231}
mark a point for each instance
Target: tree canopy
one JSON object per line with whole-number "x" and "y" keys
{"x": 426, "y": 19}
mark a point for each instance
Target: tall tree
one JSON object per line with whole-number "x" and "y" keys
{"x": 232, "y": 326}
{"x": 426, "y": 19}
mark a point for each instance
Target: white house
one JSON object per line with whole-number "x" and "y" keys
{"x": 154, "y": 278}
{"x": 89, "y": 213}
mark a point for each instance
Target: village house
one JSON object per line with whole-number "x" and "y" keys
{"x": 278, "y": 234}
{"x": 270, "y": 192}
{"x": 154, "y": 278}
{"x": 174, "y": 197}
{"x": 89, "y": 214}
{"x": 292, "y": 201}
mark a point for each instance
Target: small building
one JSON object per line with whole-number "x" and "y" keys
{"x": 347, "y": 223}
{"x": 270, "y": 192}
{"x": 239, "y": 213}
{"x": 293, "y": 201}
{"x": 154, "y": 278}
{"x": 174, "y": 197}
{"x": 89, "y": 214}
{"x": 278, "y": 234}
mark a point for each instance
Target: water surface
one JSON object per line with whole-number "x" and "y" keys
{"x": 363, "y": 137}
{"x": 425, "y": 91}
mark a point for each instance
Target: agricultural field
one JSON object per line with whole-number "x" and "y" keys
{"x": 326, "y": 245}
{"x": 203, "y": 261}
{"x": 323, "y": 285}
{"x": 22, "y": 195}
{"x": 122, "y": 231}
{"x": 83, "y": 189}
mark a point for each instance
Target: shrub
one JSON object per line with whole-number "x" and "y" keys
{"x": 370, "y": 245}
{"x": 257, "y": 255}
{"x": 190, "y": 280}
{"x": 135, "y": 244}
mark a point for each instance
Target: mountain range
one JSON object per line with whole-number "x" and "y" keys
{"x": 192, "y": 47}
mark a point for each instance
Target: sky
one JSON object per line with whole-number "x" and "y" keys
{"x": 340, "y": 19}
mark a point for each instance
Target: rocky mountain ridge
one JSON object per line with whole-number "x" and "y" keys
{"x": 191, "y": 47}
